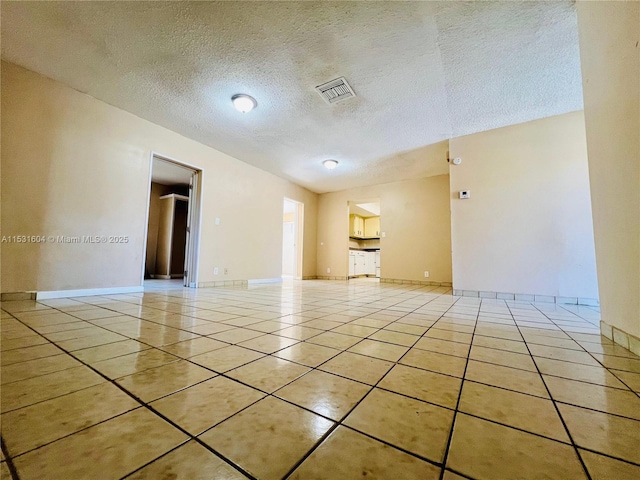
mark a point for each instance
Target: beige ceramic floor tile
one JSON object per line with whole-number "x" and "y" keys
{"x": 563, "y": 354}
{"x": 37, "y": 389}
{"x": 501, "y": 357}
{"x": 423, "y": 385}
{"x": 552, "y": 341}
{"x": 108, "y": 450}
{"x": 269, "y": 373}
{"x": 355, "y": 330}
{"x": 488, "y": 451}
{"x": 201, "y": 406}
{"x": 268, "y": 438}
{"x": 404, "y": 328}
{"x": 436, "y": 362}
{"x": 450, "y": 335}
{"x": 357, "y": 367}
{"x": 91, "y": 341}
{"x": 606, "y": 468}
{"x": 226, "y": 358}
{"x": 324, "y": 393}
{"x": 236, "y": 335}
{"x": 396, "y": 338}
{"x": 627, "y": 364}
{"x": 505, "y": 377}
{"x": 189, "y": 348}
{"x": 5, "y": 474}
{"x": 22, "y": 342}
{"x": 307, "y": 354}
{"x": 500, "y": 344}
{"x": 39, "y": 424}
{"x": 268, "y": 343}
{"x": 507, "y": 332}
{"x": 189, "y": 462}
{"x": 29, "y": 353}
{"x": 632, "y": 380}
{"x": 164, "y": 380}
{"x": 597, "y": 397}
{"x": 322, "y": 324}
{"x": 415, "y": 426}
{"x": 576, "y": 371}
{"x": 299, "y": 332}
{"x": 346, "y": 454}
{"x": 609, "y": 434}
{"x": 133, "y": 363}
{"x": 381, "y": 350}
{"x": 105, "y": 352}
{"x": 443, "y": 346}
{"x": 334, "y": 340}
{"x": 533, "y": 414}
{"x": 39, "y": 366}
{"x": 449, "y": 475}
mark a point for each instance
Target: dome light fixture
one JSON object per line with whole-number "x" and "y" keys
{"x": 330, "y": 164}
{"x": 244, "y": 103}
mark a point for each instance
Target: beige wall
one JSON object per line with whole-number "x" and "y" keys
{"x": 527, "y": 227}
{"x": 73, "y": 165}
{"x": 609, "y": 33}
{"x": 414, "y": 215}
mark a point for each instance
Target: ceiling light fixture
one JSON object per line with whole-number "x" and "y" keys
{"x": 330, "y": 164}
{"x": 244, "y": 103}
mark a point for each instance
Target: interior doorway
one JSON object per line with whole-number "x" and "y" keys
{"x": 173, "y": 220}
{"x": 364, "y": 238}
{"x": 292, "y": 230}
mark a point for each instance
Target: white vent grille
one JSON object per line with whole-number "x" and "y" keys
{"x": 335, "y": 90}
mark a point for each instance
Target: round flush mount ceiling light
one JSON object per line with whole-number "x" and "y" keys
{"x": 330, "y": 164}
{"x": 244, "y": 103}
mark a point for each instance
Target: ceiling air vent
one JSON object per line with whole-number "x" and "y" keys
{"x": 335, "y": 90}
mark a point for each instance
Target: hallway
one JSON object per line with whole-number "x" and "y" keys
{"x": 314, "y": 379}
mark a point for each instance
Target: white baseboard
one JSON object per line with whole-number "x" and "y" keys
{"x": 87, "y": 292}
{"x": 265, "y": 280}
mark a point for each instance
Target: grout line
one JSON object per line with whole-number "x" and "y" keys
{"x": 457, "y": 408}
{"x": 553, "y": 401}
{"x": 9, "y": 461}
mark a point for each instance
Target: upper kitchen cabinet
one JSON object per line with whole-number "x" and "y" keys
{"x": 356, "y": 226}
{"x": 372, "y": 227}
{"x": 360, "y": 227}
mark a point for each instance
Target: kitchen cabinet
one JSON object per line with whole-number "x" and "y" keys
{"x": 372, "y": 227}
{"x": 364, "y": 263}
{"x": 352, "y": 263}
{"x": 370, "y": 263}
{"x": 356, "y": 226}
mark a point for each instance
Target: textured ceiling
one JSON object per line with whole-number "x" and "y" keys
{"x": 422, "y": 71}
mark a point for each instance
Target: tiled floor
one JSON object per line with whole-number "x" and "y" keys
{"x": 312, "y": 380}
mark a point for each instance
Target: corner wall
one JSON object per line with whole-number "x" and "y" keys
{"x": 527, "y": 227}
{"x": 73, "y": 165}
{"x": 609, "y": 34}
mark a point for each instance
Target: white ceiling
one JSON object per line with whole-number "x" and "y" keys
{"x": 422, "y": 71}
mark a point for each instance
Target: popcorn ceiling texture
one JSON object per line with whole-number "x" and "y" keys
{"x": 422, "y": 72}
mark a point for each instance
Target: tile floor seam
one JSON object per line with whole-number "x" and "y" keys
{"x": 457, "y": 407}
{"x": 8, "y": 460}
{"x": 637, "y": 394}
{"x": 564, "y": 424}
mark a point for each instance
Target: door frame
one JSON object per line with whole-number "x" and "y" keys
{"x": 298, "y": 235}
{"x": 192, "y": 253}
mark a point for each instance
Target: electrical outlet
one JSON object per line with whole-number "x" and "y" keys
{"x": 215, "y": 270}
{"x": 328, "y": 270}
{"x": 226, "y": 271}
{"x": 426, "y": 274}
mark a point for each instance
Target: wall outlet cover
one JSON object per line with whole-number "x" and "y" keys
{"x": 426, "y": 273}
{"x": 215, "y": 270}
{"x": 328, "y": 270}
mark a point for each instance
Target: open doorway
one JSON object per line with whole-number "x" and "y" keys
{"x": 172, "y": 222}
{"x": 292, "y": 229}
{"x": 364, "y": 238}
